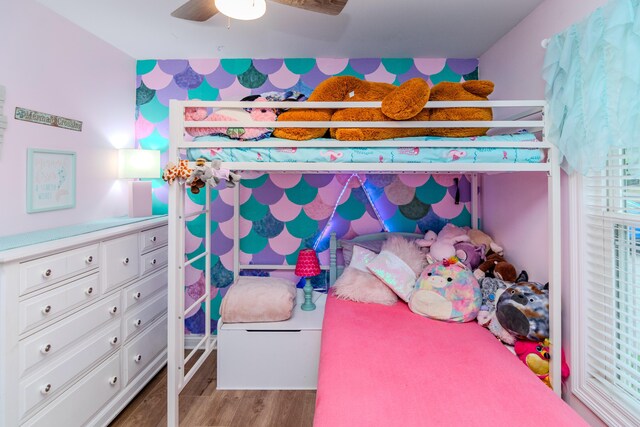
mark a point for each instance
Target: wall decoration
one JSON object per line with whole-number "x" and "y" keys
{"x": 51, "y": 180}
{"x": 280, "y": 213}
{"x": 47, "y": 119}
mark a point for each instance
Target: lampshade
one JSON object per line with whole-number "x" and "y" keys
{"x": 134, "y": 163}
{"x": 245, "y": 10}
{"x": 307, "y": 265}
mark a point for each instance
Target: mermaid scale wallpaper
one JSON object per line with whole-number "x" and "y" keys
{"x": 281, "y": 213}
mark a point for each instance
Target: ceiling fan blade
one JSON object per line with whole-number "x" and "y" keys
{"x": 196, "y": 10}
{"x": 328, "y": 7}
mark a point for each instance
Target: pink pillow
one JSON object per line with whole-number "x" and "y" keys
{"x": 357, "y": 284}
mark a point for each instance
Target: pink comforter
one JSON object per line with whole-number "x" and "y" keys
{"x": 385, "y": 366}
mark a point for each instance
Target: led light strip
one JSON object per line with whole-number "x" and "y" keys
{"x": 335, "y": 208}
{"x": 373, "y": 205}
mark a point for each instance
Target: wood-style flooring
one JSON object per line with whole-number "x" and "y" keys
{"x": 202, "y": 405}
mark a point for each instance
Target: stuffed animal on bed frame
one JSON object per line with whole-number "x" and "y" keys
{"x": 200, "y": 174}
{"x": 536, "y": 356}
{"x": 446, "y": 291}
{"x": 523, "y": 310}
{"x": 404, "y": 102}
{"x": 234, "y": 115}
{"x": 221, "y": 174}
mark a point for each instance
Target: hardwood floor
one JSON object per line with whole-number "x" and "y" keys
{"x": 202, "y": 405}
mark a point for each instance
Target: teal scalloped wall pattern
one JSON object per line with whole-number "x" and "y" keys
{"x": 280, "y": 213}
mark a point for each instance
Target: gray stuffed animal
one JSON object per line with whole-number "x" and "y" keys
{"x": 199, "y": 176}
{"x": 218, "y": 174}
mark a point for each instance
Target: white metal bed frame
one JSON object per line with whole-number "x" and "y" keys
{"x": 176, "y": 376}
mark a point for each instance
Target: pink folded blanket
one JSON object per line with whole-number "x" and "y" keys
{"x": 258, "y": 299}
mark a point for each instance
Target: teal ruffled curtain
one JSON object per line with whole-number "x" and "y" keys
{"x": 592, "y": 74}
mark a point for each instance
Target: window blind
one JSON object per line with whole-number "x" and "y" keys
{"x": 611, "y": 281}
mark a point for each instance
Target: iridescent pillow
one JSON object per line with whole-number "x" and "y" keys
{"x": 395, "y": 273}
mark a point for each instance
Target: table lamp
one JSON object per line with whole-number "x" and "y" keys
{"x": 307, "y": 266}
{"x": 132, "y": 164}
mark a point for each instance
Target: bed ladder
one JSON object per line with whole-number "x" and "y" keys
{"x": 178, "y": 358}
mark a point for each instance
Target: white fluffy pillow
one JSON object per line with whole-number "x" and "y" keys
{"x": 357, "y": 284}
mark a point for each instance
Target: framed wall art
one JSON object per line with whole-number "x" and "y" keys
{"x": 51, "y": 180}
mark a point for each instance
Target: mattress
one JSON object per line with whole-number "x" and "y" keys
{"x": 385, "y": 366}
{"x": 365, "y": 154}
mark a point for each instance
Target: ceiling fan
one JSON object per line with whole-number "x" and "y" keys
{"x": 203, "y": 10}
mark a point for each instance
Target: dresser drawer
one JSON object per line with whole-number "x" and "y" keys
{"x": 58, "y": 338}
{"x": 44, "y": 271}
{"x": 139, "y": 292}
{"x": 76, "y": 406}
{"x": 51, "y": 304}
{"x": 154, "y": 238}
{"x": 139, "y": 353}
{"x": 153, "y": 261}
{"x": 139, "y": 319}
{"x": 44, "y": 385}
{"x": 121, "y": 261}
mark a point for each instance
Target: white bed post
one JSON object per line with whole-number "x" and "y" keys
{"x": 555, "y": 271}
{"x": 236, "y": 231}
{"x": 207, "y": 273}
{"x": 474, "y": 200}
{"x": 175, "y": 338}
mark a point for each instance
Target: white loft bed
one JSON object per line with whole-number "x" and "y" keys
{"x": 177, "y": 378}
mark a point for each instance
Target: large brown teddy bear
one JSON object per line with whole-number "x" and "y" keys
{"x": 403, "y": 102}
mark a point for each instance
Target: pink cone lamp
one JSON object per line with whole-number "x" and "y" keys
{"x": 307, "y": 266}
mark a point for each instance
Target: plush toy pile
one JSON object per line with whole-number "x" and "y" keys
{"x": 200, "y": 175}
{"x": 404, "y": 102}
{"x": 469, "y": 278}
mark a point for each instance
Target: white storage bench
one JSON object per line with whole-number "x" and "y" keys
{"x": 272, "y": 355}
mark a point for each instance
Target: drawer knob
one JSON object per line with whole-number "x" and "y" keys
{"x": 137, "y": 322}
{"x": 45, "y": 349}
{"x": 113, "y": 380}
{"x": 89, "y": 259}
{"x": 45, "y": 389}
{"x": 137, "y": 295}
{"x": 153, "y": 261}
{"x": 153, "y": 239}
{"x": 113, "y": 340}
{"x": 138, "y": 358}
{"x": 47, "y": 273}
{"x": 125, "y": 261}
{"x": 113, "y": 310}
{"x": 46, "y": 310}
{"x": 89, "y": 290}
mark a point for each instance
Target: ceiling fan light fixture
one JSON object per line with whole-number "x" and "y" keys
{"x": 244, "y": 10}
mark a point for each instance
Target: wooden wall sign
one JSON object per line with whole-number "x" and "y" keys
{"x": 47, "y": 119}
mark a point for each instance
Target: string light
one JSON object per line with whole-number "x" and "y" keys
{"x": 373, "y": 205}
{"x": 327, "y": 227}
{"x": 335, "y": 208}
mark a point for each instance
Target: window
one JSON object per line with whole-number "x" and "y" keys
{"x": 606, "y": 289}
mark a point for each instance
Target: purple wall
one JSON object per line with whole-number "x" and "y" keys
{"x": 515, "y": 206}
{"x": 50, "y": 65}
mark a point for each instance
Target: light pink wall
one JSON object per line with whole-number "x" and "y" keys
{"x": 49, "y": 64}
{"x": 515, "y": 206}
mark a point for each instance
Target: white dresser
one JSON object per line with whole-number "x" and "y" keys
{"x": 83, "y": 323}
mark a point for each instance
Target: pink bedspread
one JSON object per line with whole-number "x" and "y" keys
{"x": 385, "y": 366}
